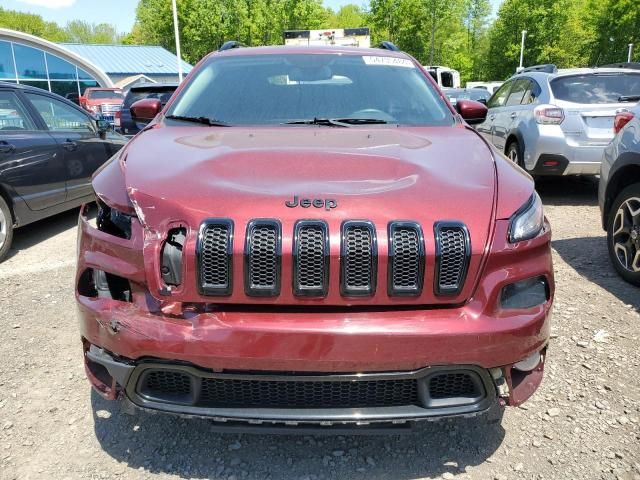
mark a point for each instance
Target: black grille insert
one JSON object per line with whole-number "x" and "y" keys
{"x": 359, "y": 255}
{"x": 262, "y": 255}
{"x": 167, "y": 385}
{"x": 307, "y": 394}
{"x": 406, "y": 258}
{"x": 311, "y": 258}
{"x": 214, "y": 254}
{"x": 452, "y": 385}
{"x": 435, "y": 387}
{"x": 453, "y": 252}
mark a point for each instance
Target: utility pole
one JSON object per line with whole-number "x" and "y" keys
{"x": 630, "y": 53}
{"x": 177, "y": 34}
{"x": 521, "y": 67}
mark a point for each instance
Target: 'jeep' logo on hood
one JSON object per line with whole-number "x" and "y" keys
{"x": 327, "y": 204}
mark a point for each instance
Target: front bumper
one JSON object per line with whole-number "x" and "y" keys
{"x": 124, "y": 338}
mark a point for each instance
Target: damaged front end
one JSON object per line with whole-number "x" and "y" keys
{"x": 155, "y": 338}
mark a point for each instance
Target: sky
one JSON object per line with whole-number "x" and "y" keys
{"x": 120, "y": 13}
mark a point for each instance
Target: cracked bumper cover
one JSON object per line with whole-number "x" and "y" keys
{"x": 126, "y": 335}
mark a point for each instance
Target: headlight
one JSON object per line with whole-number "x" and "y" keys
{"x": 113, "y": 222}
{"x": 528, "y": 221}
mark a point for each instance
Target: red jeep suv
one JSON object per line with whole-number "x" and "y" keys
{"x": 314, "y": 237}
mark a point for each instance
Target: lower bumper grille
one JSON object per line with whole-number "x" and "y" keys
{"x": 434, "y": 388}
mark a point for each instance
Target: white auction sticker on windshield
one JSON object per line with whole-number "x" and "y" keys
{"x": 388, "y": 61}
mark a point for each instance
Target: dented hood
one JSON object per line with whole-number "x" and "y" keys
{"x": 382, "y": 173}
{"x": 183, "y": 175}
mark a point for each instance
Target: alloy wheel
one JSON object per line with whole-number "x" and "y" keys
{"x": 626, "y": 234}
{"x": 3, "y": 228}
{"x": 512, "y": 155}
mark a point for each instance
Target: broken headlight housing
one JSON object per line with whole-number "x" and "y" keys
{"x": 525, "y": 293}
{"x": 112, "y": 221}
{"x": 528, "y": 221}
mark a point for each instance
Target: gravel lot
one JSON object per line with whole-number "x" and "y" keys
{"x": 582, "y": 423}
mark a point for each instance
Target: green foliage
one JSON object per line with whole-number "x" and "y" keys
{"x": 76, "y": 31}
{"x": 348, "y": 16}
{"x": 616, "y": 23}
{"x": 206, "y": 24}
{"x": 83, "y": 32}
{"x": 33, "y": 24}
{"x": 436, "y": 32}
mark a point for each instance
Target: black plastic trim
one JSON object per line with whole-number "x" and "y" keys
{"x": 358, "y": 291}
{"x": 392, "y": 290}
{"x": 323, "y": 416}
{"x": 437, "y": 228}
{"x": 249, "y": 289}
{"x": 539, "y": 169}
{"x": 215, "y": 291}
{"x": 229, "y": 45}
{"x": 311, "y": 292}
{"x": 386, "y": 45}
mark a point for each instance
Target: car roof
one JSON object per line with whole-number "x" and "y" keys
{"x": 313, "y": 50}
{"x": 566, "y": 72}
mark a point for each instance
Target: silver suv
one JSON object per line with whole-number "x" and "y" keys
{"x": 558, "y": 122}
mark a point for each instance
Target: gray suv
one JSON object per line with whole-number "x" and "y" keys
{"x": 558, "y": 122}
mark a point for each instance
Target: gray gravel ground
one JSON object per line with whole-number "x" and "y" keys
{"x": 582, "y": 423}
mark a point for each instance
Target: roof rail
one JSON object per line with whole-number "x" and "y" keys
{"x": 631, "y": 65}
{"x": 229, "y": 45}
{"x": 546, "y": 68}
{"x": 388, "y": 46}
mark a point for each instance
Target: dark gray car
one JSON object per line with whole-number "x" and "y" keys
{"x": 619, "y": 195}
{"x": 49, "y": 149}
{"x": 161, "y": 91}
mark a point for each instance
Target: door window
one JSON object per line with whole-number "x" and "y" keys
{"x": 13, "y": 116}
{"x": 60, "y": 116}
{"x": 532, "y": 93}
{"x": 500, "y": 96}
{"x": 517, "y": 92}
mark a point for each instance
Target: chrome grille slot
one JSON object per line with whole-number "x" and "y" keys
{"x": 214, "y": 253}
{"x": 310, "y": 258}
{"x": 453, "y": 252}
{"x": 359, "y": 258}
{"x": 406, "y": 258}
{"x": 262, "y": 255}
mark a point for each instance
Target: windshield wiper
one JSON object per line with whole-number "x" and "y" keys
{"x": 629, "y": 98}
{"x": 338, "y": 122}
{"x": 212, "y": 122}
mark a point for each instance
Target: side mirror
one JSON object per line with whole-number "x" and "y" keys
{"x": 103, "y": 128}
{"x": 471, "y": 111}
{"x": 145, "y": 110}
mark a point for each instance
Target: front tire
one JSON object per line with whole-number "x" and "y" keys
{"x": 623, "y": 234}
{"x": 6, "y": 229}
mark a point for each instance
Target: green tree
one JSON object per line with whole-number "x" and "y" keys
{"x": 205, "y": 24}
{"x": 614, "y": 25}
{"x": 555, "y": 34}
{"x": 348, "y": 16}
{"x": 33, "y": 24}
{"x": 83, "y": 32}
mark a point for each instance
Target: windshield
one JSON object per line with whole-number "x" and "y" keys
{"x": 476, "y": 94}
{"x": 163, "y": 94}
{"x": 104, "y": 94}
{"x": 279, "y": 89}
{"x": 595, "y": 88}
